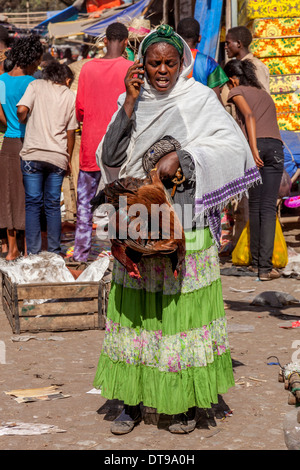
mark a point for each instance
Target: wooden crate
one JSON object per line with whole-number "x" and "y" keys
{"x": 69, "y": 306}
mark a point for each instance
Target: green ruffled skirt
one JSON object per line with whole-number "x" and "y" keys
{"x": 166, "y": 343}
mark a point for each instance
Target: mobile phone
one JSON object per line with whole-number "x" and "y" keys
{"x": 141, "y": 75}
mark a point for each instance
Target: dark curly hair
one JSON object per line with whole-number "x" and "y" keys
{"x": 116, "y": 32}
{"x": 244, "y": 70}
{"x": 57, "y": 73}
{"x": 25, "y": 51}
{"x": 241, "y": 33}
{"x": 189, "y": 29}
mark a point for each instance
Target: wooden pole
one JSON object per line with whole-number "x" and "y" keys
{"x": 228, "y": 15}
{"x": 227, "y": 20}
{"x": 27, "y": 9}
{"x": 176, "y": 13}
{"x": 165, "y": 12}
{"x": 147, "y": 8}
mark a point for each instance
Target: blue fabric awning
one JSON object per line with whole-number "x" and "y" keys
{"x": 68, "y": 14}
{"x": 208, "y": 13}
{"x": 130, "y": 12}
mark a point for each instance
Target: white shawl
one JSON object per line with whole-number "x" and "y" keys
{"x": 193, "y": 115}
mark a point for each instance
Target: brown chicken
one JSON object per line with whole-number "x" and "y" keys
{"x": 165, "y": 236}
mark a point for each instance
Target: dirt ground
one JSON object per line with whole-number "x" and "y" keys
{"x": 257, "y": 404}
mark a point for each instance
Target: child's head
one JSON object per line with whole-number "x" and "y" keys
{"x": 58, "y": 73}
{"x": 241, "y": 72}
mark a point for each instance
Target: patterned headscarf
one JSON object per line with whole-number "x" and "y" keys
{"x": 164, "y": 33}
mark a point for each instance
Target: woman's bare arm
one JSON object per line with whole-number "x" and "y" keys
{"x": 250, "y": 122}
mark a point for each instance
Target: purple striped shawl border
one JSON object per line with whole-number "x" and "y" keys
{"x": 222, "y": 195}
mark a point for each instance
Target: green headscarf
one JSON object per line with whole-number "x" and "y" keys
{"x": 164, "y": 33}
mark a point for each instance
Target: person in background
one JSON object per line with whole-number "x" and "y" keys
{"x": 76, "y": 67}
{"x": 4, "y": 45}
{"x": 46, "y": 59}
{"x": 67, "y": 58}
{"x": 26, "y": 55}
{"x": 206, "y": 70}
{"x": 256, "y": 115}
{"x": 101, "y": 81}
{"x": 84, "y": 52}
{"x": 237, "y": 42}
{"x": 46, "y": 152}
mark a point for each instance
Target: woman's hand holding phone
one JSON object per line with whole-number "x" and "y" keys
{"x": 133, "y": 81}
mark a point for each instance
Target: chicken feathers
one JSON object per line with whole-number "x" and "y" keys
{"x": 144, "y": 223}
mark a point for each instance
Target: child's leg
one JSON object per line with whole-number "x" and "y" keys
{"x": 13, "y": 251}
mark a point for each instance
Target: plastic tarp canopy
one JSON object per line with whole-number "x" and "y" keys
{"x": 291, "y": 141}
{"x": 130, "y": 12}
{"x": 208, "y": 13}
{"x": 69, "y": 28}
{"x": 68, "y": 14}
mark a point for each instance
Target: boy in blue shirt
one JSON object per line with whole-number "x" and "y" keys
{"x": 206, "y": 70}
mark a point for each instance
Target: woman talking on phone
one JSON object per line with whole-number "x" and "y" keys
{"x": 166, "y": 343}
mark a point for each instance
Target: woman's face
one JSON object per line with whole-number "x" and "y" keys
{"x": 163, "y": 66}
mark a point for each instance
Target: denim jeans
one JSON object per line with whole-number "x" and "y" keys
{"x": 262, "y": 204}
{"x": 42, "y": 183}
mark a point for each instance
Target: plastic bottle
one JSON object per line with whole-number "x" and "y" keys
{"x": 291, "y": 428}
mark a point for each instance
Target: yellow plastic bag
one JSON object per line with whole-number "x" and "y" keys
{"x": 241, "y": 255}
{"x": 280, "y": 252}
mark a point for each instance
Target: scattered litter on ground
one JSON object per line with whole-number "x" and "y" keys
{"x": 37, "y": 394}
{"x": 95, "y": 391}
{"x": 246, "y": 291}
{"x": 50, "y": 268}
{"x": 292, "y": 269}
{"x": 28, "y": 338}
{"x": 237, "y": 271}
{"x": 245, "y": 381}
{"x": 27, "y": 429}
{"x": 236, "y": 328}
{"x": 289, "y": 325}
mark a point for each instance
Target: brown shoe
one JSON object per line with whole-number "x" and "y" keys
{"x": 127, "y": 420}
{"x": 183, "y": 423}
{"x": 252, "y": 269}
{"x": 269, "y": 276}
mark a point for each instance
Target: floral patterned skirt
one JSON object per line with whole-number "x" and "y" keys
{"x": 166, "y": 343}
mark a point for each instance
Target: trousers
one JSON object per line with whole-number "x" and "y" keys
{"x": 263, "y": 202}
{"x": 87, "y": 186}
{"x": 42, "y": 182}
